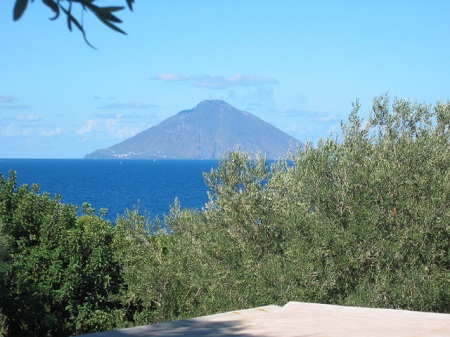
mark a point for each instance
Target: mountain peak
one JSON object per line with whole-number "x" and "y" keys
{"x": 213, "y": 105}
{"x": 207, "y": 131}
{"x": 212, "y": 102}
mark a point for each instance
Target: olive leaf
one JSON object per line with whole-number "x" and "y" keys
{"x": 19, "y": 9}
{"x": 53, "y": 6}
{"x": 106, "y": 14}
{"x": 130, "y": 4}
{"x": 71, "y": 19}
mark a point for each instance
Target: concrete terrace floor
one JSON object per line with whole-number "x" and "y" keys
{"x": 300, "y": 320}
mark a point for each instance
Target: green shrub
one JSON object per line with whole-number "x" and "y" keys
{"x": 360, "y": 219}
{"x": 59, "y": 271}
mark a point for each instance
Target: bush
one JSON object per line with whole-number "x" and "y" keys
{"x": 59, "y": 271}
{"x": 360, "y": 219}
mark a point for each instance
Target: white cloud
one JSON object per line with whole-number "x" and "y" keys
{"x": 13, "y": 130}
{"x": 28, "y": 118}
{"x": 7, "y": 99}
{"x": 170, "y": 77}
{"x": 126, "y": 105}
{"x": 14, "y": 107}
{"x": 328, "y": 118}
{"x": 299, "y": 130}
{"x": 107, "y": 115}
{"x": 313, "y": 116}
{"x": 128, "y": 117}
{"x": 9, "y": 102}
{"x": 249, "y": 80}
{"x": 50, "y": 133}
{"x": 89, "y": 126}
{"x": 117, "y": 128}
{"x": 221, "y": 82}
{"x": 218, "y": 82}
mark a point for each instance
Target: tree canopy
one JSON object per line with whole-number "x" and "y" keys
{"x": 362, "y": 219}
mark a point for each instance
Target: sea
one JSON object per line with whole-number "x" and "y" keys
{"x": 118, "y": 185}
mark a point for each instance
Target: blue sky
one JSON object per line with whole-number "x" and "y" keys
{"x": 296, "y": 64}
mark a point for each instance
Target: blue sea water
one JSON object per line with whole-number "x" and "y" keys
{"x": 117, "y": 185}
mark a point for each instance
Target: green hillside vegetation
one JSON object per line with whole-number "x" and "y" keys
{"x": 361, "y": 218}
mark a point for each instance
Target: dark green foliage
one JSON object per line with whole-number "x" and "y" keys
{"x": 362, "y": 219}
{"x": 103, "y": 14}
{"x": 142, "y": 257}
{"x": 59, "y": 273}
{"x": 381, "y": 208}
{"x": 19, "y": 8}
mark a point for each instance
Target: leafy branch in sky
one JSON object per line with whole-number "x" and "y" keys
{"x": 105, "y": 14}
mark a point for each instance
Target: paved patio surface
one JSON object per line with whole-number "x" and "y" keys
{"x": 300, "y": 320}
